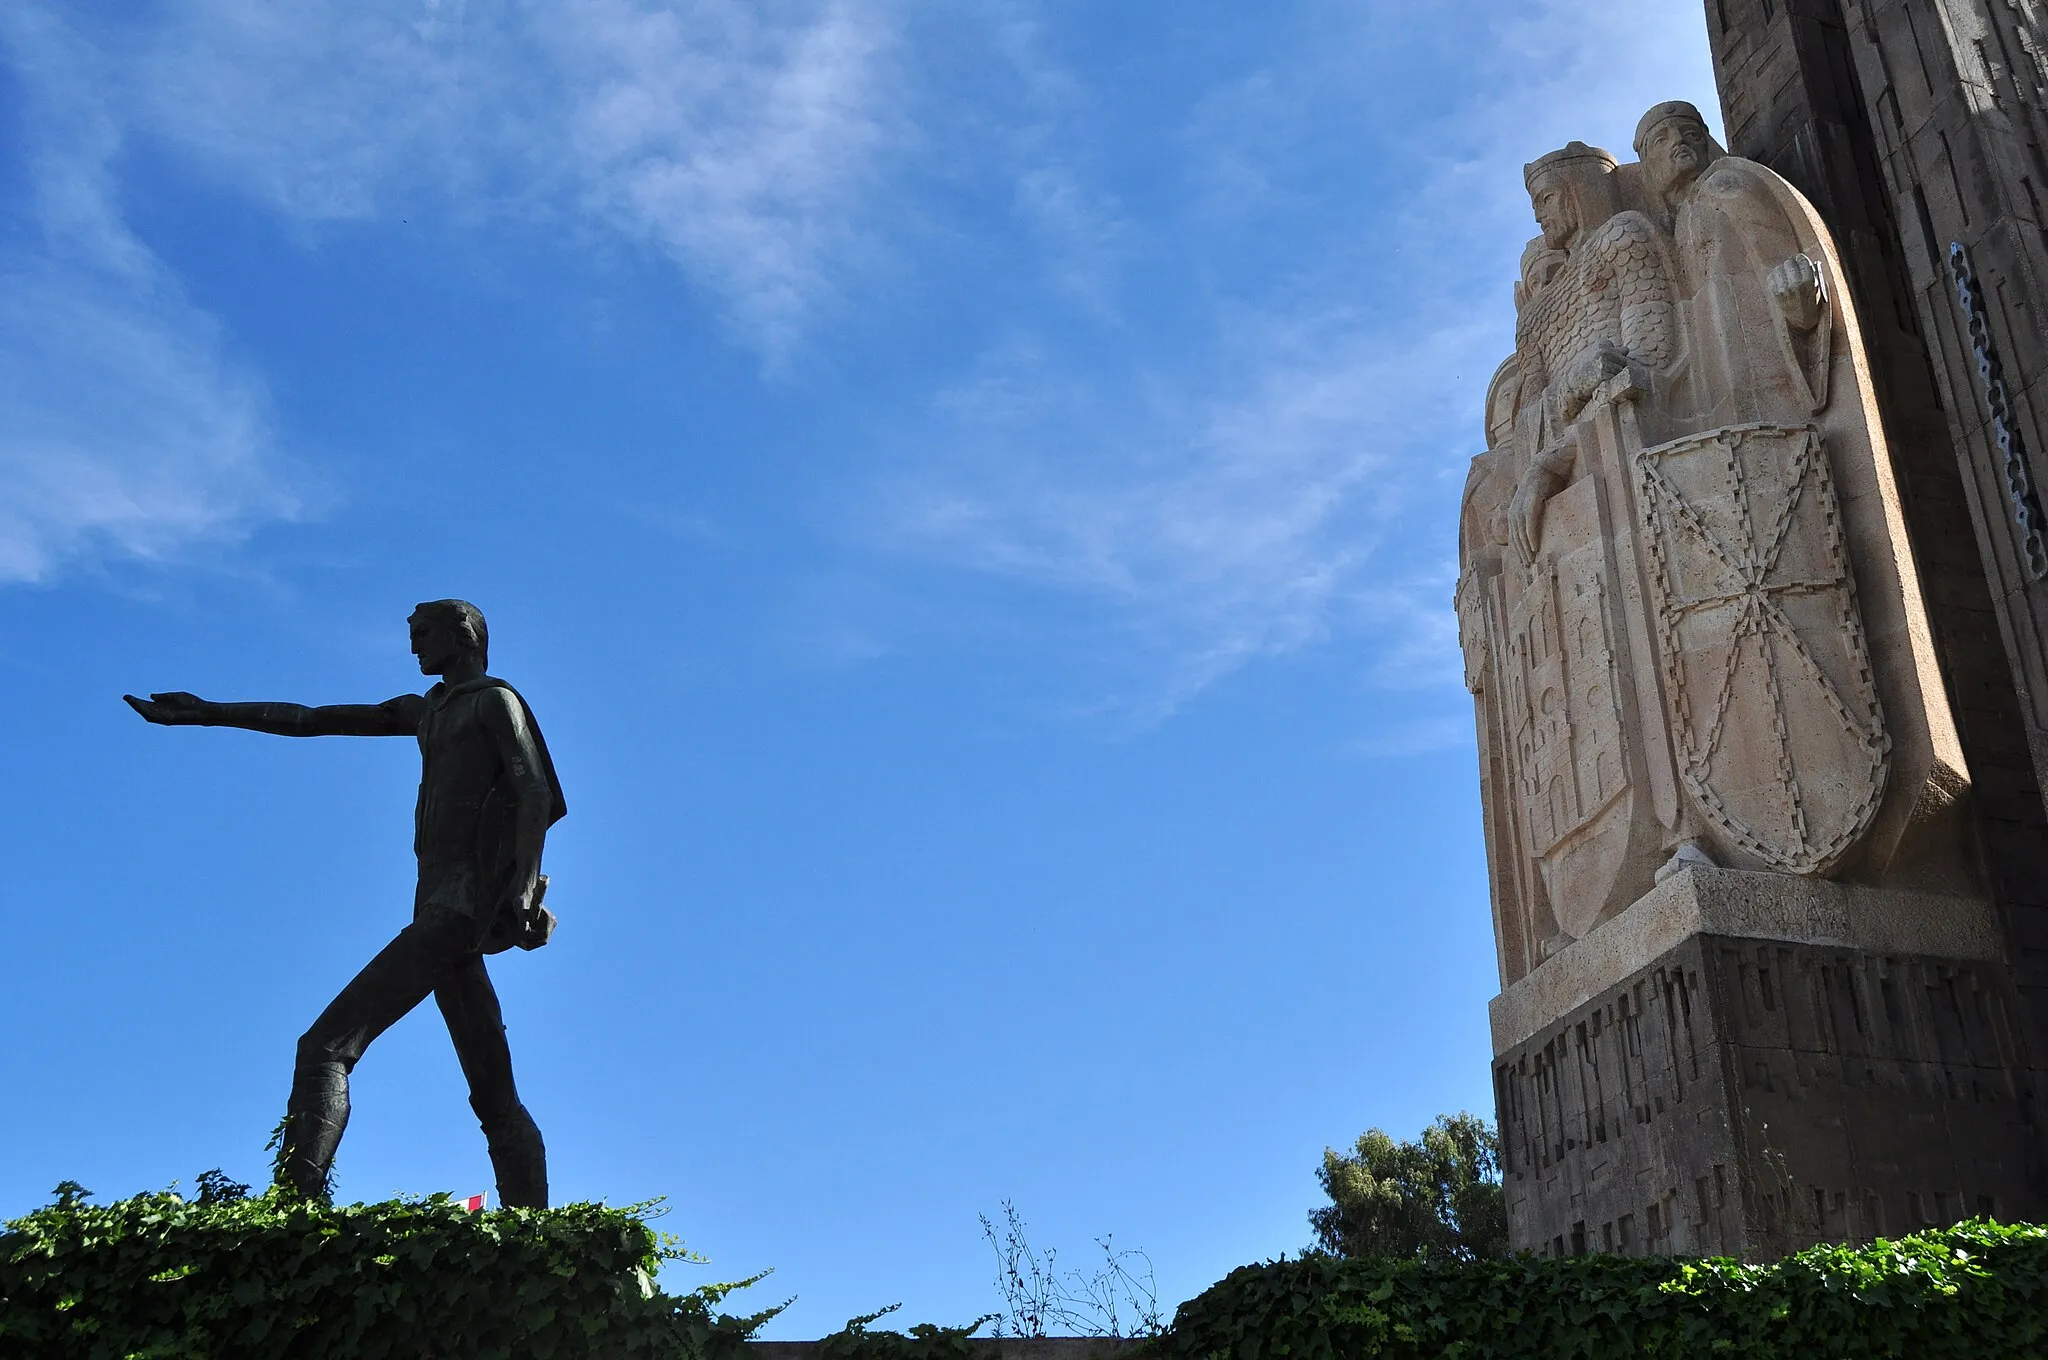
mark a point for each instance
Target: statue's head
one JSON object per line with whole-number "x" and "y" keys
{"x": 1571, "y": 189}
{"x": 447, "y": 631}
{"x": 1674, "y": 146}
{"x": 1503, "y": 403}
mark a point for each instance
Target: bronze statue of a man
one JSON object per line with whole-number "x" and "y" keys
{"x": 488, "y": 795}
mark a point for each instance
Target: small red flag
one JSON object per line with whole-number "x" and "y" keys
{"x": 474, "y": 1203}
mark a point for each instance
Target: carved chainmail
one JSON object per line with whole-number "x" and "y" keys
{"x": 1615, "y": 287}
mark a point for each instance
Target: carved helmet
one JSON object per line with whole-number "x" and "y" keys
{"x": 1586, "y": 174}
{"x": 1601, "y": 162}
{"x": 1673, "y": 108}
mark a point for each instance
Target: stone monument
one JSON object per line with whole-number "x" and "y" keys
{"x": 488, "y": 795}
{"x": 1752, "y": 982}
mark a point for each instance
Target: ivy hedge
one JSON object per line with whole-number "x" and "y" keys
{"x": 1976, "y": 1291}
{"x": 164, "y": 1277}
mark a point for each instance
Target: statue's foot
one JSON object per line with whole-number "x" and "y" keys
{"x": 519, "y": 1158}
{"x": 1688, "y": 855}
{"x": 311, "y": 1132}
{"x": 305, "y": 1158}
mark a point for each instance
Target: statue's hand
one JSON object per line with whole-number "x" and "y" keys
{"x": 1547, "y": 474}
{"x": 175, "y": 709}
{"x": 1525, "y": 514}
{"x": 520, "y": 919}
{"x": 1601, "y": 363}
{"x": 1800, "y": 292}
{"x": 1595, "y": 365}
{"x": 519, "y": 896}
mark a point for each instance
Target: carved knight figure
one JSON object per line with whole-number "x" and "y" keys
{"x": 1548, "y": 659}
{"x": 1692, "y": 627}
{"x": 1812, "y": 726}
{"x": 1758, "y": 302}
{"x": 1604, "y": 297}
{"x": 1522, "y": 923}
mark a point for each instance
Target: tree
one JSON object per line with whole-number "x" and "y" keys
{"x": 1439, "y": 1197}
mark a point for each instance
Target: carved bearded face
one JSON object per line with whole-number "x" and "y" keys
{"x": 1675, "y": 153}
{"x": 1557, "y": 208}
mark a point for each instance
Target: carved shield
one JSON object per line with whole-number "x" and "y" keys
{"x": 1767, "y": 676}
{"x": 1570, "y": 746}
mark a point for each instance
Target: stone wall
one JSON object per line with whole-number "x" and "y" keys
{"x": 1913, "y": 124}
{"x": 1752, "y": 1097}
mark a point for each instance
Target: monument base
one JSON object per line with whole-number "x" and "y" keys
{"x": 1751, "y": 1063}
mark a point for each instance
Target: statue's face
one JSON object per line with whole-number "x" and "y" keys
{"x": 436, "y": 643}
{"x": 1557, "y": 211}
{"x": 1675, "y": 152}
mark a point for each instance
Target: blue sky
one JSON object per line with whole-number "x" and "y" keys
{"x": 969, "y": 491}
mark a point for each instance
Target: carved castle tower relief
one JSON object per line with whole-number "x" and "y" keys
{"x": 1713, "y": 735}
{"x": 1542, "y": 612}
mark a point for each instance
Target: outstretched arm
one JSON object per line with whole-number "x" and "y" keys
{"x": 393, "y": 718}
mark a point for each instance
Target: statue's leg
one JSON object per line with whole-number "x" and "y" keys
{"x": 395, "y": 981}
{"x": 314, "y": 1117}
{"x": 470, "y": 1006}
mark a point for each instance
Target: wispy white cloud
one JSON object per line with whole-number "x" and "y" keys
{"x": 739, "y": 138}
{"x": 129, "y": 431}
{"x": 1255, "y": 489}
{"x": 1234, "y": 492}
{"x": 1081, "y": 232}
{"x": 1231, "y": 524}
{"x": 324, "y": 110}
{"x": 746, "y": 157}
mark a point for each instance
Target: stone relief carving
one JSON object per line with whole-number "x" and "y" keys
{"x": 1780, "y": 738}
{"x": 1691, "y": 623}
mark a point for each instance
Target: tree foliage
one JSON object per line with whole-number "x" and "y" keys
{"x": 1437, "y": 1197}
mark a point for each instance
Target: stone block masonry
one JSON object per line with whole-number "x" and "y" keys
{"x": 1705, "y": 1091}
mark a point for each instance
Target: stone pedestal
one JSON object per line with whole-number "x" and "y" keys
{"x": 1748, "y": 1063}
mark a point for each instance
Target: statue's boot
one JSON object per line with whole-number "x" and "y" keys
{"x": 517, "y": 1155}
{"x": 313, "y": 1121}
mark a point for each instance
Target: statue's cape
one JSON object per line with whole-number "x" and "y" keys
{"x": 560, "y": 809}
{"x": 1798, "y": 230}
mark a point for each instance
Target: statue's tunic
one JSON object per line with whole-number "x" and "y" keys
{"x": 469, "y": 791}
{"x": 1750, "y": 363}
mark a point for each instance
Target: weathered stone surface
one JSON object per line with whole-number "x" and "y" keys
{"x": 1690, "y": 616}
{"x": 1915, "y": 127}
{"x": 1756, "y": 934}
{"x": 1752, "y": 1097}
{"x": 1736, "y": 903}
